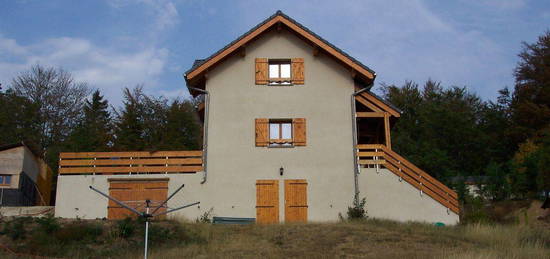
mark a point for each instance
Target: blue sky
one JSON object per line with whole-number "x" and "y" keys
{"x": 111, "y": 44}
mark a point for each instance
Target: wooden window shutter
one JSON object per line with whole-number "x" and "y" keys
{"x": 262, "y": 132}
{"x": 299, "y": 131}
{"x": 261, "y": 68}
{"x": 298, "y": 71}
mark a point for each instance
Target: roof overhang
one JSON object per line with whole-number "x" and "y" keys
{"x": 196, "y": 75}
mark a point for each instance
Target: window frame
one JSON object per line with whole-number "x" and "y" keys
{"x": 280, "y": 142}
{"x": 279, "y": 81}
{"x": 5, "y": 179}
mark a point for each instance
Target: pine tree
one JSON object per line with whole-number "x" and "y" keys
{"x": 129, "y": 124}
{"x": 93, "y": 133}
{"x": 531, "y": 98}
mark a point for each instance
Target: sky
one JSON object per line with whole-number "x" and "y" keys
{"x": 112, "y": 44}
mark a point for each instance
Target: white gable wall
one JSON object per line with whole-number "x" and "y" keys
{"x": 235, "y": 163}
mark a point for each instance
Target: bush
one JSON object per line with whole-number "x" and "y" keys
{"x": 48, "y": 224}
{"x": 358, "y": 211}
{"x": 79, "y": 231}
{"x": 126, "y": 227}
{"x": 15, "y": 229}
{"x": 205, "y": 217}
{"x": 474, "y": 211}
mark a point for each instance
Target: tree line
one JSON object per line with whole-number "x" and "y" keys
{"x": 448, "y": 131}
{"x": 51, "y": 112}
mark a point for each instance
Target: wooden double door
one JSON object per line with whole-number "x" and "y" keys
{"x": 267, "y": 201}
{"x": 134, "y": 193}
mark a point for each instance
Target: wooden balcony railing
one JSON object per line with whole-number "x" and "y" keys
{"x": 381, "y": 156}
{"x": 130, "y": 162}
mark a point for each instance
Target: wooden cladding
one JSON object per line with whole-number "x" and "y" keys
{"x": 267, "y": 201}
{"x": 261, "y": 129}
{"x": 297, "y": 71}
{"x": 261, "y": 71}
{"x": 296, "y": 201}
{"x": 130, "y": 162}
{"x": 299, "y": 131}
{"x": 376, "y": 154}
{"x": 134, "y": 193}
{"x": 262, "y": 132}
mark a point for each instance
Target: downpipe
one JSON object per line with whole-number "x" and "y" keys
{"x": 204, "y": 132}
{"x": 356, "y": 168}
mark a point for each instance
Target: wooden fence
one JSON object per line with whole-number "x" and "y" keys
{"x": 380, "y": 155}
{"x": 130, "y": 162}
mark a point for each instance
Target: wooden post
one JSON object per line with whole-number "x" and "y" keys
{"x": 387, "y": 129}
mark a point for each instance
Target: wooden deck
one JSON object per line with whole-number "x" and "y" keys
{"x": 380, "y": 155}
{"x": 130, "y": 162}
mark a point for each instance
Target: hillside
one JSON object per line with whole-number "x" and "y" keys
{"x": 368, "y": 238}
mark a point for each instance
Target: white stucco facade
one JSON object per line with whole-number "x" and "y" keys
{"x": 235, "y": 163}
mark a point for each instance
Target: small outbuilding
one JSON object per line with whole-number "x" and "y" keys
{"x": 25, "y": 179}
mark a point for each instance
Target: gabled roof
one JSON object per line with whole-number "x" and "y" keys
{"x": 200, "y": 66}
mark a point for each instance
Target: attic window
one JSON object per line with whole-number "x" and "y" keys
{"x": 279, "y": 72}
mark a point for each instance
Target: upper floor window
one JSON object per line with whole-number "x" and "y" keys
{"x": 5, "y": 179}
{"x": 280, "y": 132}
{"x": 279, "y": 72}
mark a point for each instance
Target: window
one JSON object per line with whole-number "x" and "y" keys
{"x": 280, "y": 132}
{"x": 279, "y": 72}
{"x": 5, "y": 179}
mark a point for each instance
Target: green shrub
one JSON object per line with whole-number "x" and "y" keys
{"x": 205, "y": 217}
{"x": 79, "y": 231}
{"x": 126, "y": 227}
{"x": 474, "y": 211}
{"x": 358, "y": 211}
{"x": 15, "y": 229}
{"x": 48, "y": 224}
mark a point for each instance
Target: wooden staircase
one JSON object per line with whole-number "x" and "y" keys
{"x": 380, "y": 156}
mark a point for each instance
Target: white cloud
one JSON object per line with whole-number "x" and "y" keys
{"x": 165, "y": 12}
{"x": 109, "y": 70}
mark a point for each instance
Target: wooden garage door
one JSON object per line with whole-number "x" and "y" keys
{"x": 135, "y": 192}
{"x": 267, "y": 201}
{"x": 295, "y": 200}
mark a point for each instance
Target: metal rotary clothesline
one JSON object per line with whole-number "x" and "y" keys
{"x": 146, "y": 214}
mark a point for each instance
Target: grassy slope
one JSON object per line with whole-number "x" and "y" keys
{"x": 370, "y": 238}
{"x": 373, "y": 239}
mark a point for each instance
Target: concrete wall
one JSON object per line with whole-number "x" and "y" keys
{"x": 11, "y": 163}
{"x": 16, "y": 160}
{"x": 389, "y": 198}
{"x": 27, "y": 211}
{"x": 31, "y": 165}
{"x": 76, "y": 199}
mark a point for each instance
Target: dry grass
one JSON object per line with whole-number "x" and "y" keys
{"x": 367, "y": 238}
{"x": 371, "y": 238}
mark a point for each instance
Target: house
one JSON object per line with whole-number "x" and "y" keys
{"x": 25, "y": 179}
{"x": 292, "y": 133}
{"x": 473, "y": 184}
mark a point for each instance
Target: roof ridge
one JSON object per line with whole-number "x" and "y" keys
{"x": 282, "y": 14}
